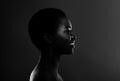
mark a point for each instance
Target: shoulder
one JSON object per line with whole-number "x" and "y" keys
{"x": 40, "y": 75}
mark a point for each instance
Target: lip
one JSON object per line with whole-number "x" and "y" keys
{"x": 72, "y": 43}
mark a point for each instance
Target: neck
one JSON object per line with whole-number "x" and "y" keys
{"x": 49, "y": 61}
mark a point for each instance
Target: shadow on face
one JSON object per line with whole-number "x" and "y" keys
{"x": 64, "y": 39}
{"x": 51, "y": 28}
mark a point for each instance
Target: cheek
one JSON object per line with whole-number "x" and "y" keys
{"x": 64, "y": 37}
{"x": 61, "y": 41}
{"x": 61, "y": 33}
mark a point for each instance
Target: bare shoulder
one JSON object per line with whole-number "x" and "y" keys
{"x": 37, "y": 75}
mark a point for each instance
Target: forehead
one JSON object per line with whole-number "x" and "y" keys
{"x": 66, "y": 23}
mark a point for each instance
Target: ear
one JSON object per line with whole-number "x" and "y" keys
{"x": 48, "y": 38}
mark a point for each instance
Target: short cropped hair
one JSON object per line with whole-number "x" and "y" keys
{"x": 44, "y": 22}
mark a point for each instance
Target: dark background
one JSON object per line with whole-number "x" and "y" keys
{"x": 96, "y": 24}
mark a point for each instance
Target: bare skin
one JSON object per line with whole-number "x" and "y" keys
{"x": 63, "y": 44}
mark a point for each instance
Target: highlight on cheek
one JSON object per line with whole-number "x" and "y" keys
{"x": 61, "y": 31}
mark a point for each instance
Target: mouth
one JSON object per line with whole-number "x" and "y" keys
{"x": 72, "y": 43}
{"x": 72, "y": 40}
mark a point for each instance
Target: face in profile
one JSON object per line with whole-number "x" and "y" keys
{"x": 64, "y": 39}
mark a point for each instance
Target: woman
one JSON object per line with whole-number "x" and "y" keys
{"x": 51, "y": 32}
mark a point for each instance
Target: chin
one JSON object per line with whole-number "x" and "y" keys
{"x": 68, "y": 51}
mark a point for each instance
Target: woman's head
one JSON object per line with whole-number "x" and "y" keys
{"x": 51, "y": 27}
